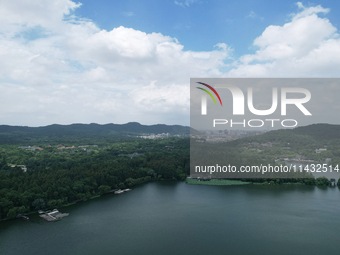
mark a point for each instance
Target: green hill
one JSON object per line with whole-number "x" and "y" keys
{"x": 83, "y": 132}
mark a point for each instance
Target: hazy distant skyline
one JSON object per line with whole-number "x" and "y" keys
{"x": 121, "y": 61}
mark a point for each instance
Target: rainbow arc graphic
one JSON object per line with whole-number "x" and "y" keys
{"x": 213, "y": 95}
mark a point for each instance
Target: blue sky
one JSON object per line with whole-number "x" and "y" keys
{"x": 105, "y": 61}
{"x": 200, "y": 24}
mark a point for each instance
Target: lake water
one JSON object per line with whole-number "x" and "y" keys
{"x": 176, "y": 218}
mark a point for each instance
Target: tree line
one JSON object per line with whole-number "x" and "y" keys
{"x": 58, "y": 178}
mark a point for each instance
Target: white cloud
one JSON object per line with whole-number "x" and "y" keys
{"x": 307, "y": 11}
{"x": 57, "y": 68}
{"x": 17, "y": 16}
{"x": 254, "y": 15}
{"x": 73, "y": 71}
{"x": 185, "y": 3}
{"x": 128, "y": 14}
{"x": 307, "y": 45}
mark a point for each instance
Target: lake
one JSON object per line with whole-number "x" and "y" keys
{"x": 177, "y": 218}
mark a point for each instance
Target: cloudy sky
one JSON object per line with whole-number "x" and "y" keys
{"x": 131, "y": 60}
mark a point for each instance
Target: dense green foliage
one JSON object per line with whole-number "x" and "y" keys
{"x": 57, "y": 175}
{"x": 307, "y": 149}
{"x": 299, "y": 143}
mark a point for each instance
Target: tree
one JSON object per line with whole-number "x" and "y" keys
{"x": 322, "y": 181}
{"x": 13, "y": 212}
{"x": 104, "y": 189}
{"x": 38, "y": 204}
{"x": 5, "y": 205}
{"x": 309, "y": 181}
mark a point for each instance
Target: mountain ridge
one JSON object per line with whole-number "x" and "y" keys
{"x": 17, "y": 134}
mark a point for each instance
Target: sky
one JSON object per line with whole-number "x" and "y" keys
{"x": 119, "y": 61}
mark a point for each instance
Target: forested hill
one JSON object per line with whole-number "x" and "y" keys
{"x": 317, "y": 142}
{"x": 322, "y": 134}
{"x": 60, "y": 133}
{"x": 48, "y": 167}
{"x": 320, "y": 131}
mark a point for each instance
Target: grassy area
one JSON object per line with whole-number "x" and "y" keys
{"x": 216, "y": 182}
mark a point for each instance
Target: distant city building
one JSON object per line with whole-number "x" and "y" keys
{"x": 320, "y": 150}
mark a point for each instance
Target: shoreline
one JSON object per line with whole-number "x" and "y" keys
{"x": 189, "y": 181}
{"x": 216, "y": 182}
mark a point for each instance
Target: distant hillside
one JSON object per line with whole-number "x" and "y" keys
{"x": 316, "y": 145}
{"x": 316, "y": 135}
{"x": 321, "y": 131}
{"x": 21, "y": 134}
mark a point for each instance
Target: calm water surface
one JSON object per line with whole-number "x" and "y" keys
{"x": 176, "y": 218}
